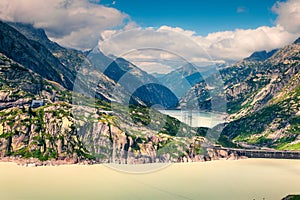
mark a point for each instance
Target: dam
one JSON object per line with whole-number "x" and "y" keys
{"x": 255, "y": 153}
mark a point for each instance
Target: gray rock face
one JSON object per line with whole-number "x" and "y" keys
{"x": 291, "y": 197}
{"x": 32, "y": 49}
{"x": 33, "y": 56}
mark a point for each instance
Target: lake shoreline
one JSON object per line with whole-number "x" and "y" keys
{"x": 213, "y": 154}
{"x": 34, "y": 162}
{"x": 197, "y": 118}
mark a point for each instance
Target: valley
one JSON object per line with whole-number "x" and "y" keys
{"x": 102, "y": 110}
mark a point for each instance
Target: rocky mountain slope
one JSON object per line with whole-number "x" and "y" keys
{"x": 33, "y": 55}
{"x": 64, "y": 62}
{"x": 23, "y": 130}
{"x": 194, "y": 86}
{"x": 264, "y": 100}
{"x": 69, "y": 58}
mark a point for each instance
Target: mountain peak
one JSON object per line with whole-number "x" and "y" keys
{"x": 261, "y": 55}
{"x": 297, "y": 41}
{"x": 29, "y": 30}
{"x": 36, "y": 34}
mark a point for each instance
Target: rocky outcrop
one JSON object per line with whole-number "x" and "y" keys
{"x": 43, "y": 133}
{"x": 49, "y": 135}
{"x": 291, "y": 197}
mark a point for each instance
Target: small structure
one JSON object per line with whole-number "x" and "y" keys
{"x": 37, "y": 103}
{"x": 106, "y": 112}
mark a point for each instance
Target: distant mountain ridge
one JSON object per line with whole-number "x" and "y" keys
{"x": 261, "y": 55}
{"x": 182, "y": 79}
{"x": 297, "y": 41}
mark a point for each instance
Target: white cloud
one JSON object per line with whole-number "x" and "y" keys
{"x": 241, "y": 43}
{"x": 178, "y": 45}
{"x": 216, "y": 47}
{"x": 72, "y": 23}
{"x": 288, "y": 15}
{"x": 178, "y": 30}
{"x": 154, "y": 67}
{"x": 241, "y": 9}
{"x": 164, "y": 46}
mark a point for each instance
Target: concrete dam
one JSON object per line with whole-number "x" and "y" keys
{"x": 254, "y": 153}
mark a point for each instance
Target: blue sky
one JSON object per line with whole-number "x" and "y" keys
{"x": 203, "y": 17}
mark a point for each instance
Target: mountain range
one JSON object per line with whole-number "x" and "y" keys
{"x": 99, "y": 108}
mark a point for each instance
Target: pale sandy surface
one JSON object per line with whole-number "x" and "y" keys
{"x": 222, "y": 180}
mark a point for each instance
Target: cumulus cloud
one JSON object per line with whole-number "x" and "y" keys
{"x": 72, "y": 23}
{"x": 241, "y": 43}
{"x": 288, "y": 15}
{"x": 218, "y": 47}
{"x": 164, "y": 46}
{"x": 175, "y": 46}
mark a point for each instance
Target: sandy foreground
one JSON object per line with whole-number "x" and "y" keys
{"x": 221, "y": 180}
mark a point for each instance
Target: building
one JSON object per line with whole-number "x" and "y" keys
{"x": 37, "y": 103}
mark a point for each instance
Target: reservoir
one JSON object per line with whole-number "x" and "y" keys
{"x": 248, "y": 179}
{"x": 196, "y": 118}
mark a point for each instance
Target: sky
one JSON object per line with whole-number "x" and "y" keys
{"x": 154, "y": 33}
{"x": 201, "y": 16}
